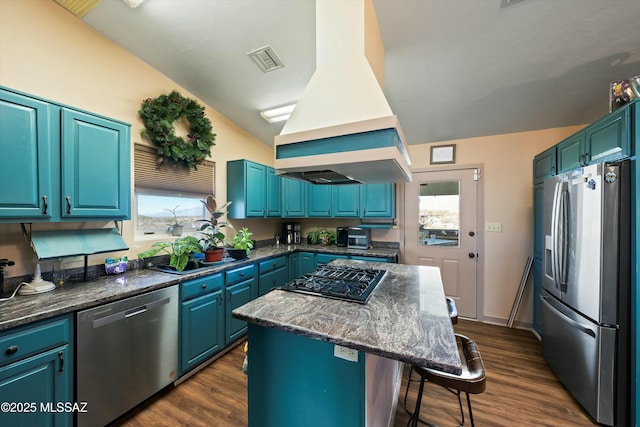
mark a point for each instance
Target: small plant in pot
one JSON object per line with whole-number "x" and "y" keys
{"x": 242, "y": 244}
{"x": 176, "y": 228}
{"x": 212, "y": 236}
{"x": 181, "y": 250}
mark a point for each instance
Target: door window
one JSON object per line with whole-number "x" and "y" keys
{"x": 439, "y": 218}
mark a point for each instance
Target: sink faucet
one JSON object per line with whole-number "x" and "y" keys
{"x": 3, "y": 263}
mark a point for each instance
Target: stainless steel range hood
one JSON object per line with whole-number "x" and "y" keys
{"x": 342, "y": 130}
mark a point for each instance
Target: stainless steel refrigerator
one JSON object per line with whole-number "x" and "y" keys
{"x": 587, "y": 289}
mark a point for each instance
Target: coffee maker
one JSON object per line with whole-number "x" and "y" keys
{"x": 291, "y": 233}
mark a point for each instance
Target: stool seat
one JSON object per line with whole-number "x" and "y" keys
{"x": 473, "y": 377}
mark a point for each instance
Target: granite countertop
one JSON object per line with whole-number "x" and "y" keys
{"x": 405, "y": 319}
{"x": 83, "y": 295}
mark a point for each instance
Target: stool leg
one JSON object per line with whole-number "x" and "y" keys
{"x": 470, "y": 413}
{"x": 460, "y": 405}
{"x": 406, "y": 391}
{"x": 416, "y": 413}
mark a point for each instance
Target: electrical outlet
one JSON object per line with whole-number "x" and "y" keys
{"x": 345, "y": 353}
{"x": 493, "y": 227}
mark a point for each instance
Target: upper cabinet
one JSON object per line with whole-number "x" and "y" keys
{"x": 607, "y": 139}
{"x": 544, "y": 165}
{"x": 61, "y": 163}
{"x": 253, "y": 190}
{"x": 346, "y": 201}
{"x": 377, "y": 201}
{"x": 319, "y": 200}
{"x": 294, "y": 198}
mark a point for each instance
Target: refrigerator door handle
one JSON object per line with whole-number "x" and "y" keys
{"x": 563, "y": 255}
{"x": 554, "y": 234}
{"x": 587, "y": 330}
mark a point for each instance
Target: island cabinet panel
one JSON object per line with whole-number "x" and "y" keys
{"x": 273, "y": 273}
{"x": 95, "y": 167}
{"x": 201, "y": 320}
{"x": 36, "y": 369}
{"x": 290, "y": 384}
{"x": 253, "y": 190}
{"x": 72, "y": 165}
{"x": 25, "y": 157}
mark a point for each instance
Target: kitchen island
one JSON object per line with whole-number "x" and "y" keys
{"x": 317, "y": 361}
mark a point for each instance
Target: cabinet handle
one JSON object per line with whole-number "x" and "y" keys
{"x": 45, "y": 205}
{"x": 553, "y": 170}
{"x": 228, "y": 295}
{"x": 61, "y": 369}
{"x": 203, "y": 286}
{"x": 329, "y": 211}
{"x": 241, "y": 274}
{"x": 357, "y": 211}
{"x": 68, "y": 205}
{"x": 219, "y": 300}
{"x": 12, "y": 350}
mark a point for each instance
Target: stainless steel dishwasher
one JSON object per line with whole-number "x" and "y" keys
{"x": 126, "y": 351}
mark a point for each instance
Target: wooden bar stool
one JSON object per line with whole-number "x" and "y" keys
{"x": 472, "y": 380}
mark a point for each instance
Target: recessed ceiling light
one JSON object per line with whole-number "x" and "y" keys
{"x": 279, "y": 114}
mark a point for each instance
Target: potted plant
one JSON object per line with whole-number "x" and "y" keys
{"x": 176, "y": 228}
{"x": 212, "y": 236}
{"x": 242, "y": 244}
{"x": 181, "y": 250}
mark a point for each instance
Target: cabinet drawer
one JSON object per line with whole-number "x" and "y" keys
{"x": 25, "y": 341}
{"x": 240, "y": 274}
{"x": 327, "y": 258}
{"x": 272, "y": 264}
{"x": 201, "y": 286}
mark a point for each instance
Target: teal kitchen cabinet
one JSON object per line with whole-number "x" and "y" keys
{"x": 25, "y": 157}
{"x": 377, "y": 201}
{"x": 322, "y": 259}
{"x": 607, "y": 139}
{"x": 319, "y": 200}
{"x": 346, "y": 201}
{"x": 241, "y": 288}
{"x": 294, "y": 266}
{"x": 272, "y": 274}
{"x": 538, "y": 251}
{"x": 294, "y": 198}
{"x": 544, "y": 165}
{"x": 72, "y": 165}
{"x": 36, "y": 371}
{"x": 253, "y": 190}
{"x": 307, "y": 263}
{"x": 201, "y": 320}
{"x": 373, "y": 258}
{"x": 95, "y": 167}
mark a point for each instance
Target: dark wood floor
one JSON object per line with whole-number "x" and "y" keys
{"x": 521, "y": 390}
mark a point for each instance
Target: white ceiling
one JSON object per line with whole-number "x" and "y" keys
{"x": 453, "y": 68}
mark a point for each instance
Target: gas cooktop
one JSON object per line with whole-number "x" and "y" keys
{"x": 343, "y": 283}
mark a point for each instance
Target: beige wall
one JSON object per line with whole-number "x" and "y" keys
{"x": 507, "y": 186}
{"x": 48, "y": 52}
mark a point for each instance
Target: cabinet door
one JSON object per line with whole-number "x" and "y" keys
{"x": 202, "y": 329}
{"x": 44, "y": 379}
{"x": 25, "y": 157}
{"x": 571, "y": 152}
{"x": 294, "y": 266}
{"x": 609, "y": 137}
{"x": 307, "y": 263}
{"x": 346, "y": 201}
{"x": 274, "y": 199}
{"x": 237, "y": 295}
{"x": 272, "y": 279}
{"x": 293, "y": 198}
{"x": 95, "y": 167}
{"x": 255, "y": 182}
{"x": 319, "y": 201}
{"x": 538, "y": 221}
{"x": 544, "y": 165}
{"x": 322, "y": 259}
{"x": 378, "y": 201}
{"x": 537, "y": 291}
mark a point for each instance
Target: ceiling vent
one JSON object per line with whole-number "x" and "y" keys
{"x": 266, "y": 58}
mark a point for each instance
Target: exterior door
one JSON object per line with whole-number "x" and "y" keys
{"x": 441, "y": 231}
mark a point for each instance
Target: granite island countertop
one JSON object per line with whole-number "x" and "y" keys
{"x": 405, "y": 319}
{"x": 78, "y": 296}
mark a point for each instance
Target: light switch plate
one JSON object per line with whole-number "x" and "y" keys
{"x": 345, "y": 353}
{"x": 493, "y": 227}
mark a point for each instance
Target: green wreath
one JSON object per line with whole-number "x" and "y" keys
{"x": 159, "y": 115}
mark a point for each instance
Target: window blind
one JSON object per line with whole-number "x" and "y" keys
{"x": 168, "y": 178}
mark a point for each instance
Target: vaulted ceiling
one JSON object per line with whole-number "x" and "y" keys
{"x": 453, "y": 68}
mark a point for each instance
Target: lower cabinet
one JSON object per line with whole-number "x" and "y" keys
{"x": 201, "y": 320}
{"x": 273, "y": 273}
{"x": 322, "y": 259}
{"x": 306, "y": 263}
{"x": 240, "y": 289}
{"x": 294, "y": 266}
{"x": 374, "y": 258}
{"x": 36, "y": 374}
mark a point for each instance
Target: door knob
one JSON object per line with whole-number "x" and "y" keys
{"x": 472, "y": 255}
{"x": 472, "y": 233}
